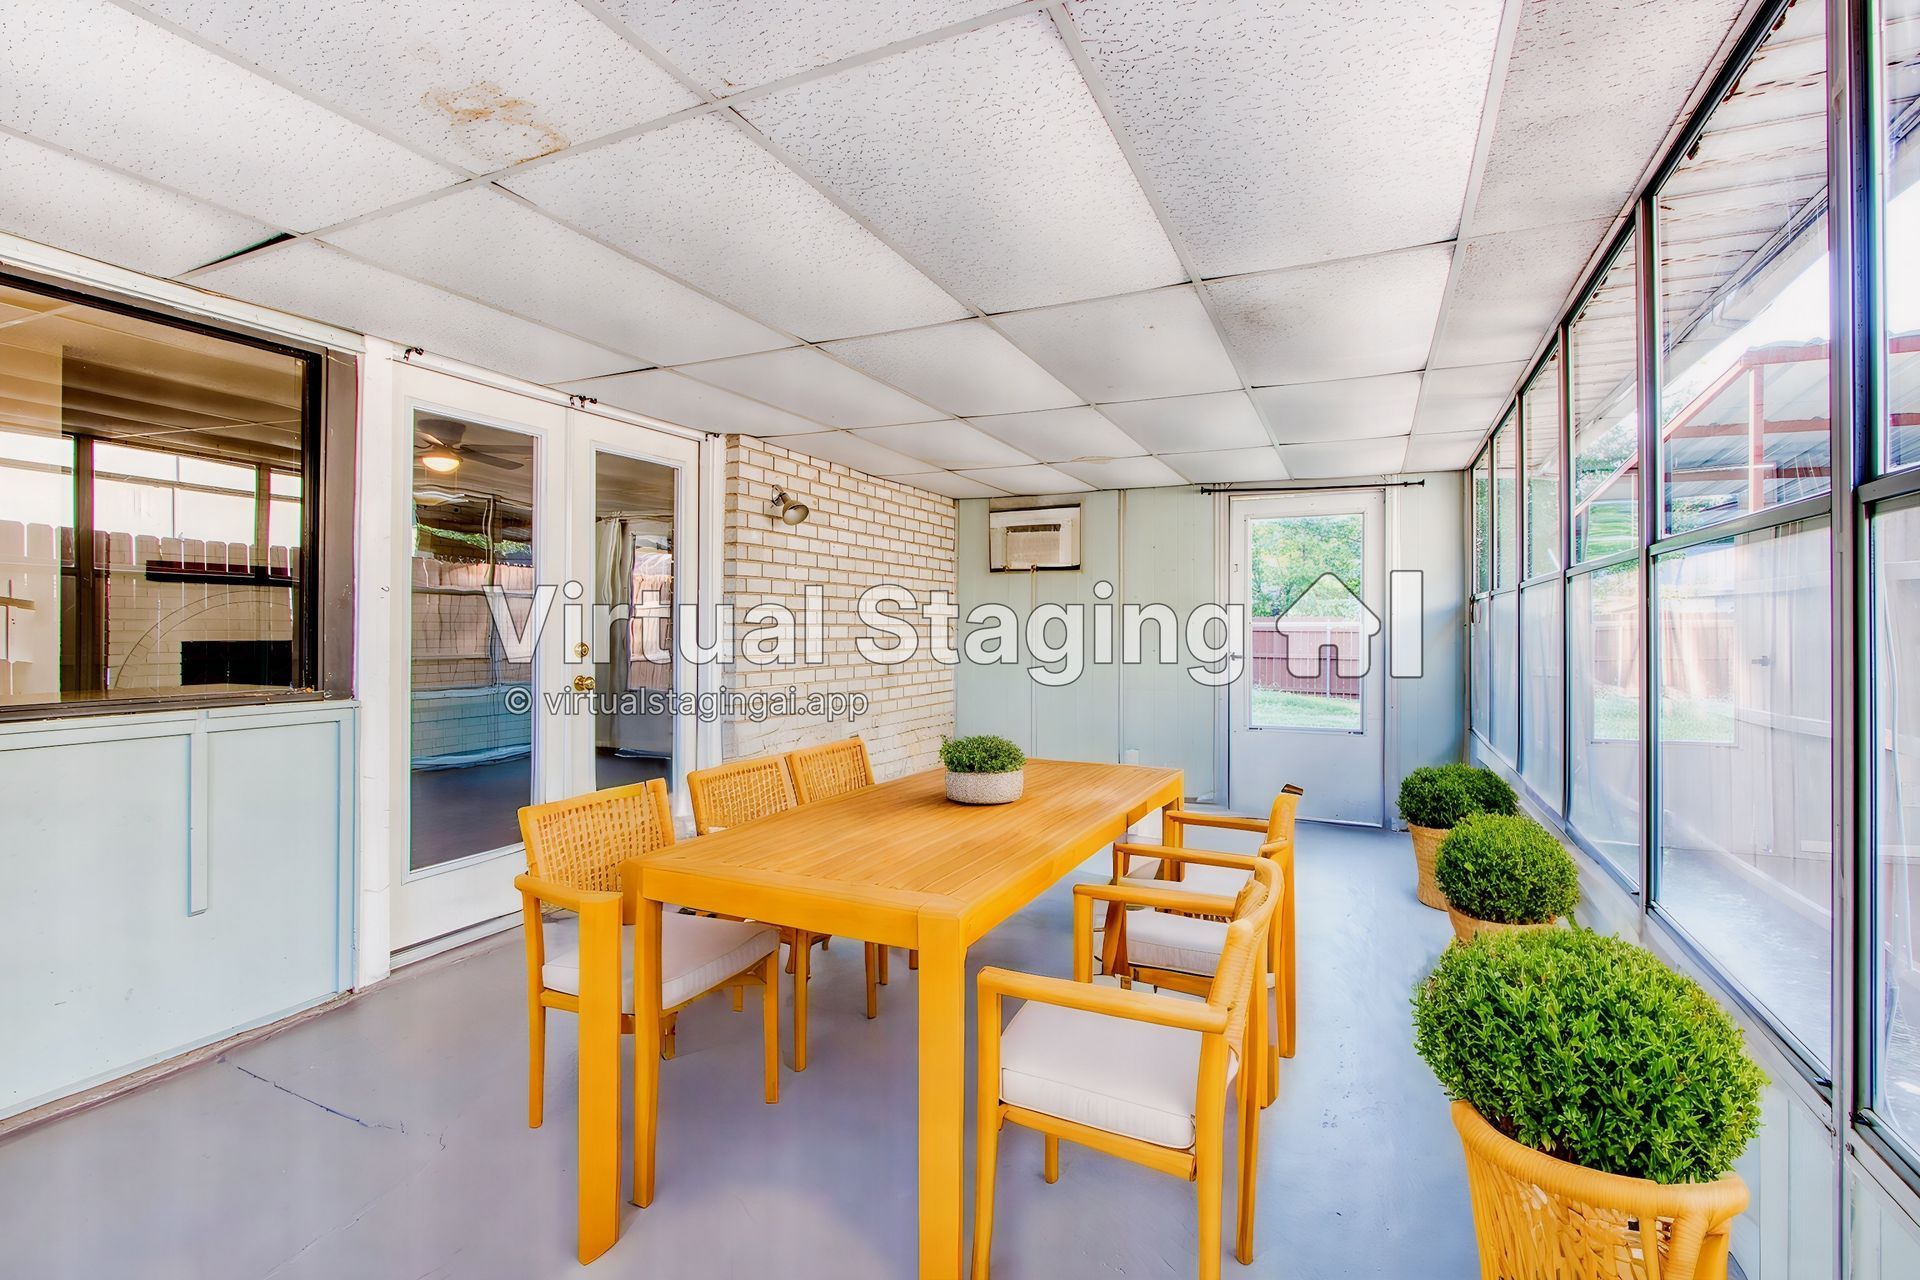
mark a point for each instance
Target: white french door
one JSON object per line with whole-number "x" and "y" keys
{"x": 1309, "y": 704}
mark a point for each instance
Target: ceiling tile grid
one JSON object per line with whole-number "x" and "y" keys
{"x": 1346, "y": 459}
{"x": 965, "y": 368}
{"x": 950, "y": 445}
{"x": 1349, "y": 409}
{"x": 1136, "y": 346}
{"x": 1030, "y": 481}
{"x": 807, "y": 381}
{"x": 1465, "y": 398}
{"x": 673, "y": 397}
{"x": 1229, "y": 466}
{"x": 1124, "y": 473}
{"x": 1508, "y": 291}
{"x": 1451, "y": 451}
{"x": 1190, "y": 424}
{"x": 1061, "y": 435}
{"x": 850, "y": 450}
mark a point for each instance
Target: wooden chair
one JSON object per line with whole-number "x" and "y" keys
{"x": 574, "y": 851}
{"x": 1139, "y": 1076}
{"x": 1178, "y": 951}
{"x": 833, "y": 769}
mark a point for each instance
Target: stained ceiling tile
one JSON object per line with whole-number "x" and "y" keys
{"x": 1508, "y": 289}
{"x": 74, "y": 204}
{"x": 1347, "y": 458}
{"x": 197, "y": 122}
{"x": 1124, "y": 473}
{"x": 488, "y": 245}
{"x": 1452, "y": 451}
{"x": 806, "y": 382}
{"x": 1464, "y": 399}
{"x": 1337, "y": 319}
{"x": 1278, "y": 133}
{"x": 1350, "y": 409}
{"x": 947, "y": 444}
{"x": 1029, "y": 480}
{"x": 662, "y": 393}
{"x": 1188, "y": 424}
{"x": 1133, "y": 347}
{"x": 850, "y": 450}
{"x": 310, "y": 279}
{"x": 446, "y": 77}
{"x": 1061, "y": 435}
{"x": 730, "y": 45}
{"x": 964, "y": 368}
{"x": 703, "y": 201}
{"x": 986, "y": 159}
{"x": 1227, "y": 466}
{"x": 949, "y": 484}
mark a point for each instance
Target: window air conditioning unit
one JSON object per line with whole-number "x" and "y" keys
{"x": 1034, "y": 538}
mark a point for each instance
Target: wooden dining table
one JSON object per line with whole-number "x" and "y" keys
{"x": 897, "y": 864}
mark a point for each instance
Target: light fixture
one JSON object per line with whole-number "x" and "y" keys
{"x": 786, "y": 508}
{"x": 440, "y": 461}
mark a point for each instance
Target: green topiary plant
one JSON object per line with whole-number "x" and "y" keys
{"x": 1439, "y": 795}
{"x": 1588, "y": 1048}
{"x": 1508, "y": 869}
{"x": 982, "y": 753}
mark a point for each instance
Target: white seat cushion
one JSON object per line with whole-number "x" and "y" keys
{"x": 1218, "y": 882}
{"x": 697, "y": 954}
{"x": 1114, "y": 1074}
{"x": 1161, "y": 940}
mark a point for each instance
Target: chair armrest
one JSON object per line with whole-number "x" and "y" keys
{"x": 1206, "y": 857}
{"x": 1225, "y": 821}
{"x": 561, "y": 895}
{"x": 1116, "y": 1002}
{"x": 1169, "y": 898}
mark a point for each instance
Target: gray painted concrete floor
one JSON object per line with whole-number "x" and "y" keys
{"x": 388, "y": 1138}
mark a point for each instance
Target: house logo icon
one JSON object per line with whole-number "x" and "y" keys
{"x": 1327, "y": 631}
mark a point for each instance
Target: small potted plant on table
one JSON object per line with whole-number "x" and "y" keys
{"x": 1432, "y": 799}
{"x": 1601, "y": 1100}
{"x": 983, "y": 769}
{"x": 1501, "y": 872}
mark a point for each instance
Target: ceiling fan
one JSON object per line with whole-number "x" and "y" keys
{"x": 438, "y": 443}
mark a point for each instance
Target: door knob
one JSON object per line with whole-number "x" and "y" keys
{"x": 583, "y": 684}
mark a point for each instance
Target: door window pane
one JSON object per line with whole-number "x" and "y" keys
{"x": 1744, "y": 740}
{"x": 1310, "y": 633}
{"x": 1742, "y": 230}
{"x": 1506, "y": 541}
{"x": 1540, "y": 410}
{"x": 1505, "y": 680}
{"x": 1603, "y": 639}
{"x": 472, "y": 747}
{"x": 1900, "y": 45}
{"x": 1483, "y": 522}
{"x": 1540, "y": 690}
{"x": 634, "y": 581}
{"x": 1606, "y": 423}
{"x": 1896, "y": 992}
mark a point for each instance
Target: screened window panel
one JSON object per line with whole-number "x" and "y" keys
{"x": 1603, "y": 709}
{"x": 1504, "y": 685}
{"x": 1540, "y": 417}
{"x": 1606, "y": 423}
{"x": 1483, "y": 522}
{"x": 1896, "y": 953}
{"x": 1480, "y": 654}
{"x": 1506, "y": 540}
{"x": 1900, "y": 48}
{"x": 1541, "y": 757}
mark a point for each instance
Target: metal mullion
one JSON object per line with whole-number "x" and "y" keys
{"x": 1646, "y": 361}
{"x": 1565, "y": 446}
{"x": 1611, "y": 561}
{"x": 1897, "y": 484}
{"x": 1759, "y": 521}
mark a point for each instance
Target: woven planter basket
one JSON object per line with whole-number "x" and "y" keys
{"x": 1536, "y": 1215}
{"x": 1467, "y": 928}
{"x": 1426, "y": 850}
{"x": 986, "y": 788}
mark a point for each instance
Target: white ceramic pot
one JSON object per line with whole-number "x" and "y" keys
{"x": 986, "y": 788}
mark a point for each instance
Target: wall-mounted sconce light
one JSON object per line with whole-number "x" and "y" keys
{"x": 787, "y": 509}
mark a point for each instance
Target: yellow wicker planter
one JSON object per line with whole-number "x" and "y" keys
{"x": 1467, "y": 928}
{"x": 1536, "y": 1215}
{"x": 1426, "y": 850}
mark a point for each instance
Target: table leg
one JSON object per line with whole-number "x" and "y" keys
{"x": 646, "y": 1047}
{"x": 943, "y": 1104}
{"x": 599, "y": 1192}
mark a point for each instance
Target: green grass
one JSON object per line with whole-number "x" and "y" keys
{"x": 1284, "y": 709}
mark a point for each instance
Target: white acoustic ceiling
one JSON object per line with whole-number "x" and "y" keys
{"x": 984, "y": 247}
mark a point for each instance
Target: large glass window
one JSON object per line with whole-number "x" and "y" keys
{"x": 1483, "y": 522}
{"x": 1603, "y": 709}
{"x": 1541, "y": 761}
{"x": 1744, "y": 741}
{"x": 152, "y": 508}
{"x": 1505, "y": 679}
{"x": 1506, "y": 540}
{"x": 1895, "y": 1005}
{"x": 1480, "y": 656}
{"x": 1743, "y": 310}
{"x": 1900, "y": 46}
{"x": 1540, "y": 417}
{"x": 1606, "y": 424}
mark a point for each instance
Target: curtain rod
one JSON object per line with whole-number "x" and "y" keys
{"x": 1312, "y": 488}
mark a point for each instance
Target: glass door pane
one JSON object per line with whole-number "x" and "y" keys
{"x": 1309, "y": 635}
{"x": 634, "y": 578}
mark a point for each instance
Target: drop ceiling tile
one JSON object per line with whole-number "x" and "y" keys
{"x": 488, "y": 245}
{"x": 1133, "y": 347}
{"x": 1124, "y": 473}
{"x": 730, "y": 45}
{"x": 1464, "y": 399}
{"x": 1337, "y": 319}
{"x": 1351, "y": 409}
{"x": 1589, "y": 93}
{"x": 1227, "y": 466}
{"x": 73, "y": 204}
{"x": 1349, "y": 458}
{"x": 813, "y": 385}
{"x": 964, "y": 368}
{"x": 986, "y": 159}
{"x": 947, "y": 444}
{"x": 1029, "y": 480}
{"x": 850, "y": 450}
{"x": 97, "y": 80}
{"x": 1452, "y": 451}
{"x": 664, "y": 394}
{"x": 1189, "y": 424}
{"x": 1060, "y": 435}
{"x": 1362, "y": 143}
{"x": 1509, "y": 289}
{"x": 703, "y": 201}
{"x": 481, "y": 83}
{"x": 310, "y": 279}
{"x": 949, "y": 484}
